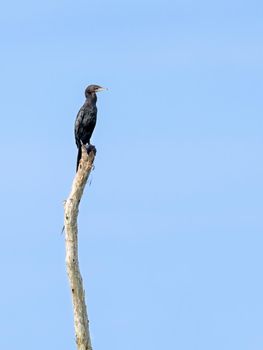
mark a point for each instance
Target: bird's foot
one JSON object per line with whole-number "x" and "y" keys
{"x": 91, "y": 148}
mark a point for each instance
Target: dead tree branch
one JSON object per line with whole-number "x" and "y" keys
{"x": 71, "y": 209}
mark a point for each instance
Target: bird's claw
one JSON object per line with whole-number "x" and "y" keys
{"x": 91, "y": 148}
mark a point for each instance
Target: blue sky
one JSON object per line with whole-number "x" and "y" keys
{"x": 171, "y": 224}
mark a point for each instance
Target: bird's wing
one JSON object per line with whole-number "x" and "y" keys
{"x": 90, "y": 119}
{"x": 79, "y": 126}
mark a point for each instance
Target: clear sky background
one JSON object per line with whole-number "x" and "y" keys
{"x": 171, "y": 225}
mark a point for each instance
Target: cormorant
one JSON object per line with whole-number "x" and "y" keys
{"x": 86, "y": 120}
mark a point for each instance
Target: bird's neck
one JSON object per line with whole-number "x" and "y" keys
{"x": 91, "y": 99}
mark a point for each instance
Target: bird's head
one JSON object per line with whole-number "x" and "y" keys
{"x": 91, "y": 89}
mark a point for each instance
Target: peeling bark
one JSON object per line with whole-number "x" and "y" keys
{"x": 71, "y": 209}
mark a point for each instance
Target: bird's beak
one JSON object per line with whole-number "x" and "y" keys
{"x": 101, "y": 89}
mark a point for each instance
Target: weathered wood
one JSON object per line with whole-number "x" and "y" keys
{"x": 71, "y": 209}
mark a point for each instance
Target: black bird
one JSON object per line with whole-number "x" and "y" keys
{"x": 86, "y": 120}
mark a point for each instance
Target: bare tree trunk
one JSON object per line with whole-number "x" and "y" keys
{"x": 71, "y": 209}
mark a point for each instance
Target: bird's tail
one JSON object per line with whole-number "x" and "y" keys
{"x": 79, "y": 157}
